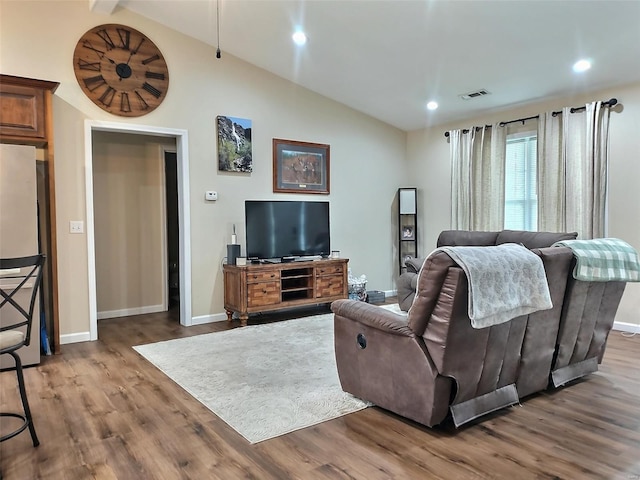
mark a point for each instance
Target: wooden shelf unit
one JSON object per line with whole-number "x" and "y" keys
{"x": 268, "y": 287}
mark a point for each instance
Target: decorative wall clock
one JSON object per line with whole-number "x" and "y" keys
{"x": 121, "y": 70}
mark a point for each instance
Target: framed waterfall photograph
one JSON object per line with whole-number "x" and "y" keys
{"x": 234, "y": 144}
{"x": 300, "y": 167}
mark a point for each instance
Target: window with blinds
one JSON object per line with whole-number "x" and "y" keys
{"x": 520, "y": 192}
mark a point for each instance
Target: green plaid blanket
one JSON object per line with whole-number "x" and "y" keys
{"x": 604, "y": 260}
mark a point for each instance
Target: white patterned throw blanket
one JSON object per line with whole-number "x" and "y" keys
{"x": 604, "y": 260}
{"x": 505, "y": 281}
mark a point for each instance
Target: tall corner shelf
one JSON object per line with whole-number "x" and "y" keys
{"x": 407, "y": 225}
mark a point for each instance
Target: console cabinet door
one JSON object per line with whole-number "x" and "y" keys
{"x": 329, "y": 286}
{"x": 263, "y": 293}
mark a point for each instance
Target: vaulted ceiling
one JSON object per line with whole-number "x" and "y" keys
{"x": 388, "y": 58}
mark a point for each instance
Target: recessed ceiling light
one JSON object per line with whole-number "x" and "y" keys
{"x": 299, "y": 37}
{"x": 432, "y": 105}
{"x": 581, "y": 66}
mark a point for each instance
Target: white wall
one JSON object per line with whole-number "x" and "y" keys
{"x": 37, "y": 40}
{"x": 428, "y": 159}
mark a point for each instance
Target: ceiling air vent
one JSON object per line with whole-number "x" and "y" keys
{"x": 478, "y": 93}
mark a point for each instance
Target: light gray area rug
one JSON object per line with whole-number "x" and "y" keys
{"x": 262, "y": 380}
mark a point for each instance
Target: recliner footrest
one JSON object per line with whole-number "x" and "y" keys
{"x": 489, "y": 402}
{"x": 564, "y": 375}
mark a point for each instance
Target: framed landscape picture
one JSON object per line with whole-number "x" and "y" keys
{"x": 300, "y": 167}
{"x": 234, "y": 144}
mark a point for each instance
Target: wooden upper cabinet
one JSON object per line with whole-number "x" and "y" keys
{"x": 24, "y": 110}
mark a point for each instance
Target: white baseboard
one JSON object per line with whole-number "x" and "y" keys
{"x": 626, "y": 327}
{"x": 86, "y": 336}
{"x": 200, "y": 320}
{"x": 127, "y": 312}
{"x": 214, "y": 317}
{"x": 75, "y": 338}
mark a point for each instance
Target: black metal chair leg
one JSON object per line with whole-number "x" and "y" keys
{"x": 25, "y": 402}
{"x": 15, "y": 330}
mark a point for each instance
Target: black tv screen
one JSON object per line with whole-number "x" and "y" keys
{"x": 277, "y": 229}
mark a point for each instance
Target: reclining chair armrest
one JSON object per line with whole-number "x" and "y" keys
{"x": 372, "y": 316}
{"x": 406, "y": 288}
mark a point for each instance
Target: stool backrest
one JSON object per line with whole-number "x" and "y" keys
{"x": 17, "y": 274}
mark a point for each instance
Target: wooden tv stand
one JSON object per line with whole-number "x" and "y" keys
{"x": 267, "y": 287}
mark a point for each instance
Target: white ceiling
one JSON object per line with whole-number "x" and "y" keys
{"x": 388, "y": 58}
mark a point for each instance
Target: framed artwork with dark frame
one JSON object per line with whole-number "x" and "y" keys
{"x": 300, "y": 167}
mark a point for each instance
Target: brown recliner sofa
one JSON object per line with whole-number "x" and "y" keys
{"x": 432, "y": 362}
{"x": 407, "y": 282}
{"x": 588, "y": 311}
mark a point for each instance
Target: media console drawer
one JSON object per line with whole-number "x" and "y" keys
{"x": 330, "y": 270}
{"x": 262, "y": 288}
{"x": 261, "y": 276}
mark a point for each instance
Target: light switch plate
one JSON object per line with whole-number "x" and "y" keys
{"x": 76, "y": 226}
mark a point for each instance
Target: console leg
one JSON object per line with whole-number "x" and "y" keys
{"x": 229, "y": 315}
{"x": 243, "y": 319}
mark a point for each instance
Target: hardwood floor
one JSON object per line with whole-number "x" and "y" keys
{"x": 103, "y": 412}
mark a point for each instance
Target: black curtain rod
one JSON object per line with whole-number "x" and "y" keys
{"x": 609, "y": 103}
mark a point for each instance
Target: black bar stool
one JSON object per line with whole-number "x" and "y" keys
{"x": 20, "y": 273}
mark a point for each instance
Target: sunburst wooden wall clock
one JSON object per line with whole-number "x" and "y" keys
{"x": 121, "y": 70}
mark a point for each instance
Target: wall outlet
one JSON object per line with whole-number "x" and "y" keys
{"x": 211, "y": 196}
{"x": 76, "y": 226}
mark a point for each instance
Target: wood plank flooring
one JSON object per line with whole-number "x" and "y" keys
{"x": 103, "y": 412}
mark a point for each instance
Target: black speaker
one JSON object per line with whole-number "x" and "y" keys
{"x": 233, "y": 252}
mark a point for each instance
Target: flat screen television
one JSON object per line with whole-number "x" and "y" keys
{"x": 284, "y": 229}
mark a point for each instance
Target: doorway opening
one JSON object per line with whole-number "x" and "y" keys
{"x": 183, "y": 214}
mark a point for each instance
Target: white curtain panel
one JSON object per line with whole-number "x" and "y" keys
{"x": 597, "y": 155}
{"x": 572, "y": 171}
{"x": 576, "y": 182}
{"x": 494, "y": 178}
{"x": 459, "y": 150}
{"x": 477, "y": 175}
{"x": 480, "y": 151}
{"x": 551, "y": 173}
